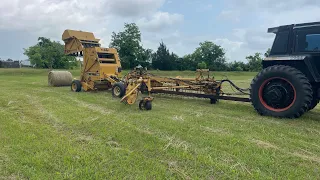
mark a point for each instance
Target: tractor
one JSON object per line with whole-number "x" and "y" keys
{"x": 289, "y": 83}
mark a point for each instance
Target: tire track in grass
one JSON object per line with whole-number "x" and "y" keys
{"x": 295, "y": 153}
{"x": 115, "y": 145}
{"x": 179, "y": 144}
{"x": 271, "y": 145}
{"x": 59, "y": 125}
{"x": 170, "y": 141}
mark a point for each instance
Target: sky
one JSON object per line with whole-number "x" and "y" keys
{"x": 238, "y": 26}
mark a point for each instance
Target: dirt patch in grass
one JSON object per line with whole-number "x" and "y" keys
{"x": 218, "y": 131}
{"x": 305, "y": 156}
{"x": 264, "y": 144}
{"x": 177, "y": 118}
{"x": 176, "y": 143}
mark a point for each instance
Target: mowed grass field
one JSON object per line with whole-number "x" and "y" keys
{"x": 53, "y": 133}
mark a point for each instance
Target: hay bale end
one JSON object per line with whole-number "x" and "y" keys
{"x": 59, "y": 78}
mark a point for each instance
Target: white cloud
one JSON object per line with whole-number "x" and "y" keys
{"x": 271, "y": 5}
{"x": 50, "y": 18}
{"x": 229, "y": 46}
{"x": 129, "y": 8}
{"x": 262, "y": 14}
{"x": 160, "y": 21}
{"x": 245, "y": 22}
{"x": 229, "y": 15}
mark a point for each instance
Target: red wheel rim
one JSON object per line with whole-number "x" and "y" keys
{"x": 265, "y": 104}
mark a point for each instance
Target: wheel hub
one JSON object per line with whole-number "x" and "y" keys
{"x": 278, "y": 94}
{"x": 74, "y": 86}
{"x": 117, "y": 91}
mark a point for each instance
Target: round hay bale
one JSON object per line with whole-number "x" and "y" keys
{"x": 59, "y": 78}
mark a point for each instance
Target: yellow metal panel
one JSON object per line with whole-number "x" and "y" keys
{"x": 72, "y": 46}
{"x": 94, "y": 68}
{"x": 90, "y": 60}
{"x": 81, "y": 35}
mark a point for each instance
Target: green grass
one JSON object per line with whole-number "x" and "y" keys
{"x": 53, "y": 133}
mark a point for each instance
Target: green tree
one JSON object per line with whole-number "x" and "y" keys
{"x": 144, "y": 57}
{"x": 212, "y": 54}
{"x": 164, "y": 60}
{"x": 49, "y": 54}
{"x": 236, "y": 66}
{"x": 202, "y": 65}
{"x": 255, "y": 62}
{"x": 188, "y": 63}
{"x": 128, "y": 45}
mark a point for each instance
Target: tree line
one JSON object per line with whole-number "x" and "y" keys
{"x": 50, "y": 55}
{"x": 208, "y": 55}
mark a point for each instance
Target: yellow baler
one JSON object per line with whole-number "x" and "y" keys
{"x": 101, "y": 66}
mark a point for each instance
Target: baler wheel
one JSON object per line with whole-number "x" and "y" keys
{"x": 118, "y": 90}
{"x": 281, "y": 91}
{"x": 76, "y": 86}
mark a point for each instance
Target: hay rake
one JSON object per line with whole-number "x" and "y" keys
{"x": 202, "y": 86}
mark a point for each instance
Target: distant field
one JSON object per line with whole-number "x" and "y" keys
{"x": 53, "y": 133}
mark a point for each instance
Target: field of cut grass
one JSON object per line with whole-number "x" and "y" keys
{"x": 53, "y": 133}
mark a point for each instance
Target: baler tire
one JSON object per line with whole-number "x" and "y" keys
{"x": 76, "y": 86}
{"x": 119, "y": 86}
{"x": 301, "y": 90}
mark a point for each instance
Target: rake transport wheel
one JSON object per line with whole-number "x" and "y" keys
{"x": 76, "y": 86}
{"x": 118, "y": 90}
{"x": 145, "y": 105}
{"x": 213, "y": 101}
{"x": 281, "y": 91}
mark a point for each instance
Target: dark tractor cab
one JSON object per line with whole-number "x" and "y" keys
{"x": 297, "y": 46}
{"x": 289, "y": 84}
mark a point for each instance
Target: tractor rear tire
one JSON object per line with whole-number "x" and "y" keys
{"x": 76, "y": 86}
{"x": 281, "y": 91}
{"x": 118, "y": 90}
{"x": 313, "y": 103}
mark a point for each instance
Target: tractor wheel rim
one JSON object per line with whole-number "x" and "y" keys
{"x": 277, "y": 94}
{"x": 117, "y": 91}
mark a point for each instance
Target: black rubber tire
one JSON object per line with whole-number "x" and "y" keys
{"x": 141, "y": 105}
{"x": 121, "y": 87}
{"x": 213, "y": 101}
{"x": 299, "y": 82}
{"x": 314, "y": 102}
{"x": 148, "y": 105}
{"x": 78, "y": 85}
